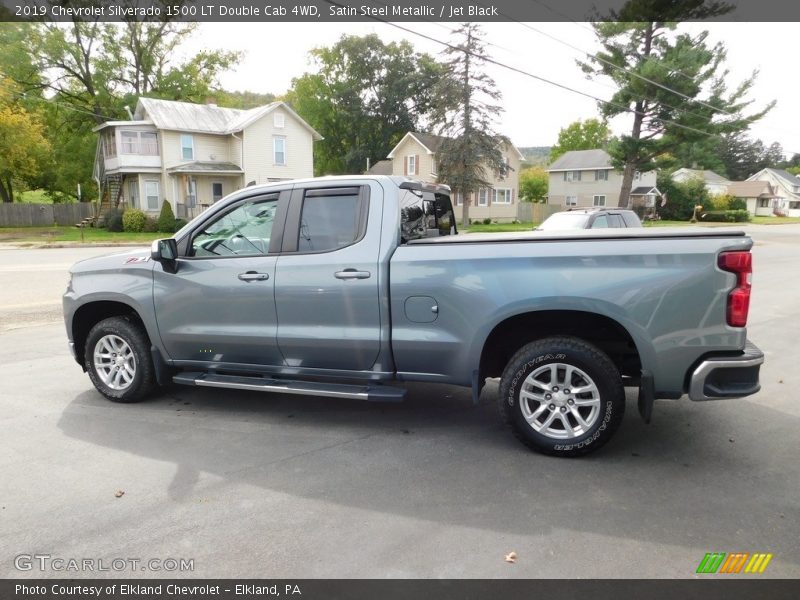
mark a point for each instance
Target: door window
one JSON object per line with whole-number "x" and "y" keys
{"x": 600, "y": 222}
{"x": 330, "y": 219}
{"x": 216, "y": 191}
{"x": 151, "y": 190}
{"x": 244, "y": 231}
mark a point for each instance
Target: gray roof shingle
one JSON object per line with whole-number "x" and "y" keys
{"x": 582, "y": 159}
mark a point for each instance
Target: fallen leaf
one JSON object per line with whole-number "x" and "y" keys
{"x": 780, "y": 381}
{"x": 119, "y": 494}
{"x": 511, "y": 557}
{"x": 731, "y": 440}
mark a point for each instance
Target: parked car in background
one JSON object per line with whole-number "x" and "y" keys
{"x": 590, "y": 218}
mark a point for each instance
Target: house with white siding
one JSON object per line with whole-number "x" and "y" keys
{"x": 415, "y": 156}
{"x": 784, "y": 198}
{"x": 582, "y": 178}
{"x": 715, "y": 183}
{"x": 192, "y": 155}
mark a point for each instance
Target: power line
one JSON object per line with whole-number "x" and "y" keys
{"x": 532, "y": 75}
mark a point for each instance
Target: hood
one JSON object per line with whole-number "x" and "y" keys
{"x": 130, "y": 259}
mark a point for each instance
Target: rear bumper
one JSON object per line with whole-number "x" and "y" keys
{"x": 717, "y": 378}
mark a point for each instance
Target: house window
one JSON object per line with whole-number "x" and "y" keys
{"x": 483, "y": 197}
{"x": 109, "y": 144}
{"x": 572, "y": 201}
{"x": 279, "y": 120}
{"x": 637, "y": 175}
{"x": 139, "y": 142}
{"x": 187, "y": 147}
{"x": 130, "y": 142}
{"x": 502, "y": 196}
{"x": 151, "y": 191}
{"x": 148, "y": 143}
{"x": 459, "y": 199}
{"x": 599, "y": 201}
{"x": 763, "y": 203}
{"x": 601, "y": 175}
{"x": 572, "y": 175}
{"x": 279, "y": 150}
{"x": 216, "y": 191}
{"x": 412, "y": 165}
{"x": 133, "y": 193}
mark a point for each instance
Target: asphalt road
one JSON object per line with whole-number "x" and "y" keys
{"x": 252, "y": 485}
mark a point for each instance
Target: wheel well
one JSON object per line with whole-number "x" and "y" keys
{"x": 513, "y": 333}
{"x": 88, "y": 315}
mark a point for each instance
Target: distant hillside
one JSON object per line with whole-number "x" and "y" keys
{"x": 536, "y": 155}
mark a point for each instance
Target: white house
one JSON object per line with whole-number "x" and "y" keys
{"x": 715, "y": 183}
{"x": 587, "y": 178}
{"x": 785, "y": 198}
{"x": 415, "y": 156}
{"x": 191, "y": 155}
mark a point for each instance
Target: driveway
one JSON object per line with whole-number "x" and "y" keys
{"x": 251, "y": 485}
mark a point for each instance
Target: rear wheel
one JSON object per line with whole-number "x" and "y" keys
{"x": 562, "y": 396}
{"x": 117, "y": 358}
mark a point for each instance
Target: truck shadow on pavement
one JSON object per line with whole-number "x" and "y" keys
{"x": 701, "y": 475}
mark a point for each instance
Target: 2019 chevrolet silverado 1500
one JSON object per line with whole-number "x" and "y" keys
{"x": 339, "y": 286}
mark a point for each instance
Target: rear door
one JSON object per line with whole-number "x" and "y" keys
{"x": 327, "y": 278}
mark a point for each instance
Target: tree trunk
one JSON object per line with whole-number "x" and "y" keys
{"x": 465, "y": 210}
{"x": 632, "y": 162}
{"x": 627, "y": 184}
{"x": 6, "y": 191}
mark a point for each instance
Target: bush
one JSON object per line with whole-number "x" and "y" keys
{"x": 113, "y": 220}
{"x": 737, "y": 204}
{"x": 726, "y": 216}
{"x": 166, "y": 220}
{"x": 682, "y": 198}
{"x": 180, "y": 223}
{"x": 134, "y": 220}
{"x": 150, "y": 225}
{"x": 487, "y": 221}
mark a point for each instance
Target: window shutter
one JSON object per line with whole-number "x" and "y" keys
{"x": 416, "y": 164}
{"x": 405, "y": 165}
{"x": 511, "y": 196}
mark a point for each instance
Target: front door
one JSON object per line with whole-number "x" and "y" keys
{"x": 219, "y": 306}
{"x": 327, "y": 279}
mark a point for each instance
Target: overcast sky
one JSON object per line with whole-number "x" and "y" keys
{"x": 534, "y": 111}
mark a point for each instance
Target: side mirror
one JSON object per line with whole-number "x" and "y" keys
{"x": 165, "y": 252}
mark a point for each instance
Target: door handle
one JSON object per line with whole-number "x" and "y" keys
{"x": 253, "y": 276}
{"x": 352, "y": 274}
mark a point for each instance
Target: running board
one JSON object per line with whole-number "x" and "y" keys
{"x": 373, "y": 393}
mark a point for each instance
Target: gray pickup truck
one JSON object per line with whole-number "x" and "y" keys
{"x": 348, "y": 286}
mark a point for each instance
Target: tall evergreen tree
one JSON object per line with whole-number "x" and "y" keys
{"x": 471, "y": 149}
{"x": 649, "y": 61}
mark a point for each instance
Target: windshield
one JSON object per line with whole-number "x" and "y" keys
{"x": 564, "y": 220}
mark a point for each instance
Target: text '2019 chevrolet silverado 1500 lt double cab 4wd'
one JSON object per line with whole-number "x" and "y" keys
{"x": 340, "y": 286}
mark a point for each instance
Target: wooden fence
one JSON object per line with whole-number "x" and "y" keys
{"x": 43, "y": 215}
{"x": 535, "y": 212}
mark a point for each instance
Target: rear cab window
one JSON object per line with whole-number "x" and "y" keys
{"x": 425, "y": 213}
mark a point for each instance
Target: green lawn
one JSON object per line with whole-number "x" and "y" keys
{"x": 498, "y": 227}
{"x": 47, "y": 235}
{"x": 34, "y": 197}
{"x": 775, "y": 220}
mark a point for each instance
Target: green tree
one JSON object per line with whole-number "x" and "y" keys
{"x": 23, "y": 148}
{"x": 646, "y": 57}
{"x": 80, "y": 74}
{"x": 681, "y": 198}
{"x": 533, "y": 184}
{"x": 471, "y": 149}
{"x": 581, "y": 135}
{"x": 363, "y": 97}
{"x": 743, "y": 156}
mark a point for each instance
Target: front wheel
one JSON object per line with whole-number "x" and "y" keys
{"x": 117, "y": 358}
{"x": 562, "y": 396}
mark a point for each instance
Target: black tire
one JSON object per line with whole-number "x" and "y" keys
{"x": 601, "y": 408}
{"x": 111, "y": 333}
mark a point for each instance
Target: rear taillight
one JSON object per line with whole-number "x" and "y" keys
{"x": 740, "y": 263}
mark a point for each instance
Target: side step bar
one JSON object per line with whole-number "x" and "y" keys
{"x": 373, "y": 393}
